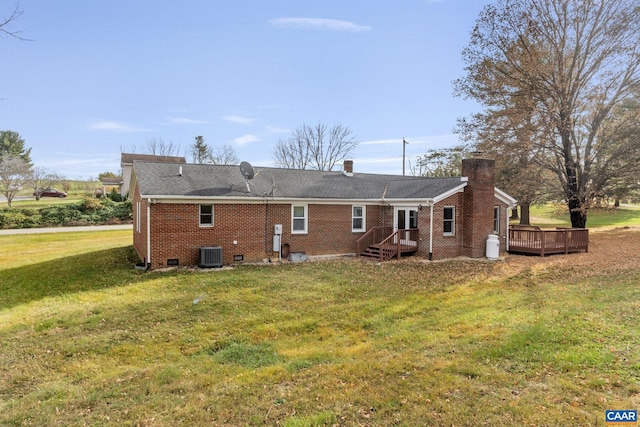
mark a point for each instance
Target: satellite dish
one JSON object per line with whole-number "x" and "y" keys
{"x": 247, "y": 170}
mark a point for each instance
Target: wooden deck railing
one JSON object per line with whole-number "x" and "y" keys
{"x": 533, "y": 240}
{"x": 374, "y": 236}
{"x": 384, "y": 244}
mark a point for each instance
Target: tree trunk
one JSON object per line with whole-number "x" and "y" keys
{"x": 578, "y": 213}
{"x": 514, "y": 213}
{"x": 617, "y": 203}
{"x": 524, "y": 214}
{"x": 575, "y": 198}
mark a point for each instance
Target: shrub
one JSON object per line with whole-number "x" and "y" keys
{"x": 89, "y": 211}
{"x": 115, "y": 196}
{"x": 19, "y": 218}
{"x": 90, "y": 204}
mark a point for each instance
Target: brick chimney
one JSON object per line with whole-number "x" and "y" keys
{"x": 348, "y": 167}
{"x": 478, "y": 204}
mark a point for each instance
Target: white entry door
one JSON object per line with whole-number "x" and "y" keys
{"x": 405, "y": 218}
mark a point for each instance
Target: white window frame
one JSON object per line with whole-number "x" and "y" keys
{"x": 205, "y": 224}
{"x": 305, "y": 218}
{"x": 496, "y": 220}
{"x": 362, "y": 217}
{"x": 452, "y": 220}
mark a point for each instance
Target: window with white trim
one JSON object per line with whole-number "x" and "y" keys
{"x": 449, "y": 221}
{"x": 358, "y": 218}
{"x": 206, "y": 215}
{"x": 299, "y": 219}
{"x": 496, "y": 220}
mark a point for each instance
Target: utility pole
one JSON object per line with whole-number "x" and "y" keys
{"x": 404, "y": 144}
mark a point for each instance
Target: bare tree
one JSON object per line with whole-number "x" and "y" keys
{"x": 318, "y": 147}
{"x": 224, "y": 155}
{"x": 5, "y": 23}
{"x": 440, "y": 163}
{"x": 13, "y": 173}
{"x": 160, "y": 147}
{"x": 575, "y": 62}
{"x": 39, "y": 177}
{"x": 201, "y": 152}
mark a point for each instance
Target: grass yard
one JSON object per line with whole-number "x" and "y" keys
{"x": 556, "y": 215}
{"x": 44, "y": 202}
{"x": 529, "y": 341}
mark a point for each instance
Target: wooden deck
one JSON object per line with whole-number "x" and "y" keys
{"x": 533, "y": 240}
{"x": 383, "y": 244}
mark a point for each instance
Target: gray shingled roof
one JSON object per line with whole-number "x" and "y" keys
{"x": 197, "y": 180}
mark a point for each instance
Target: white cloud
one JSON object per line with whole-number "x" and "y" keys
{"x": 113, "y": 126}
{"x": 274, "y": 129}
{"x": 238, "y": 119}
{"x": 246, "y": 139}
{"x": 433, "y": 141}
{"x": 319, "y": 24}
{"x": 381, "y": 141}
{"x": 186, "y": 121}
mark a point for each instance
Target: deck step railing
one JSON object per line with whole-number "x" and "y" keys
{"x": 382, "y": 243}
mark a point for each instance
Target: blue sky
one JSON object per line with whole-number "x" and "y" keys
{"x": 99, "y": 77}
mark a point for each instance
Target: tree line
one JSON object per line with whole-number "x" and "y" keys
{"x": 559, "y": 83}
{"x": 559, "y": 86}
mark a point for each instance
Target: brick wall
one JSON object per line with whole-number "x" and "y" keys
{"x": 445, "y": 246}
{"x": 247, "y": 230}
{"x": 478, "y": 204}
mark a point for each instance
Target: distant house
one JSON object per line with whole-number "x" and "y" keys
{"x": 126, "y": 163}
{"x": 110, "y": 182}
{"x": 181, "y": 209}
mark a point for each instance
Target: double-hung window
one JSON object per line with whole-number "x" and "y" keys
{"x": 496, "y": 220}
{"x": 299, "y": 219}
{"x": 358, "y": 218}
{"x": 449, "y": 221}
{"x": 206, "y": 215}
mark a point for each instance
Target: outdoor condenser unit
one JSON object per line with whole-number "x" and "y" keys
{"x": 210, "y": 256}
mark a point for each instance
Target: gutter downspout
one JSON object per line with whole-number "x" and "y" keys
{"x": 431, "y": 232}
{"x": 506, "y": 234}
{"x": 148, "y": 234}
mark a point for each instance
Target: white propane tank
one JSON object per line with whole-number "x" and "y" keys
{"x": 493, "y": 247}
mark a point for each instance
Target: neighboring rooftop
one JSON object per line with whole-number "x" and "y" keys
{"x": 128, "y": 158}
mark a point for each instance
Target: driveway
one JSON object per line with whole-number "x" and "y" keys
{"x": 66, "y": 229}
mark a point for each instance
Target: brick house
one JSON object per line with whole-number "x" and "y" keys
{"x": 180, "y": 208}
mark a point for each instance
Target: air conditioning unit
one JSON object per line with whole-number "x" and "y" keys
{"x": 210, "y": 256}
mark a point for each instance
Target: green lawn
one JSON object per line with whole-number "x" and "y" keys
{"x": 556, "y": 215}
{"x": 32, "y": 203}
{"x": 85, "y": 340}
